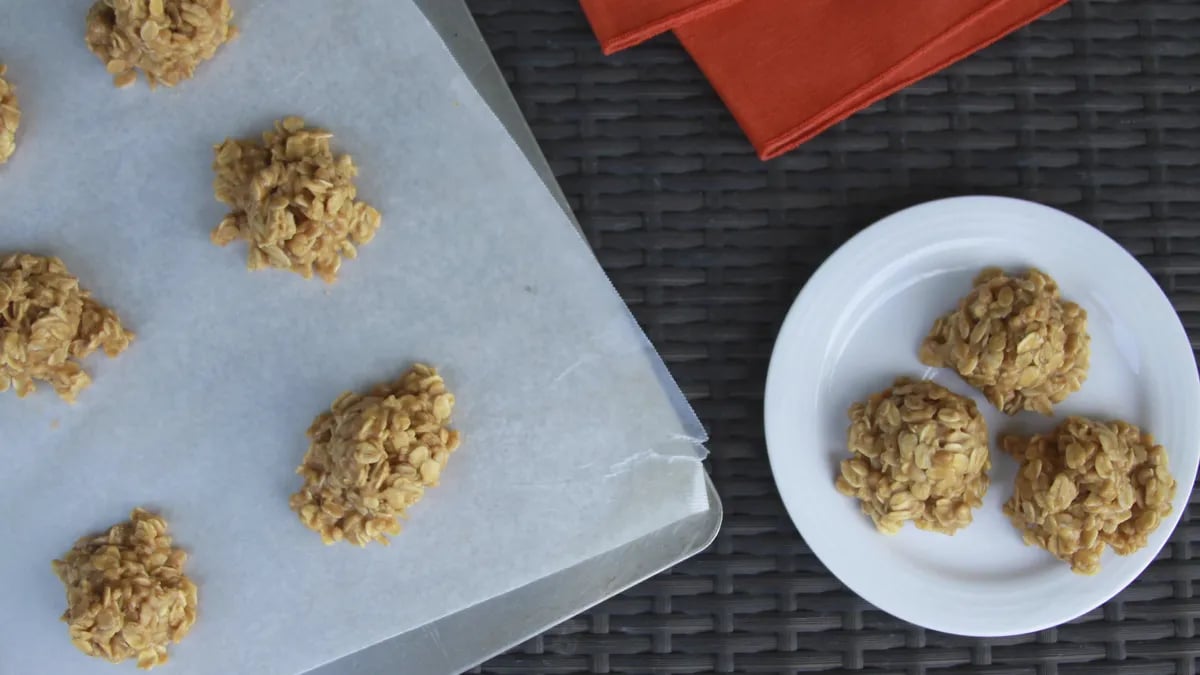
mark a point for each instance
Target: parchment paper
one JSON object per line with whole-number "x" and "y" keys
{"x": 572, "y": 445}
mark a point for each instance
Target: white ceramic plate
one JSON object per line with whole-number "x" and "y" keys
{"x": 857, "y": 325}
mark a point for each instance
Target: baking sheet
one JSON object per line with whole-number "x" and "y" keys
{"x": 570, "y": 439}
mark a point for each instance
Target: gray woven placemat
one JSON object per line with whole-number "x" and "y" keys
{"x": 1095, "y": 110}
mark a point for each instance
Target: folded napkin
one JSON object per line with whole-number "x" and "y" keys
{"x": 620, "y": 24}
{"x": 789, "y": 69}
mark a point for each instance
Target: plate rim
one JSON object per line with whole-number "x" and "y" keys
{"x": 844, "y": 253}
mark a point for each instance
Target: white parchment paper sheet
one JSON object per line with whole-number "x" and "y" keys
{"x": 572, "y": 445}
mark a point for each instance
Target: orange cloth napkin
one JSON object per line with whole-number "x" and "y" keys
{"x": 620, "y": 24}
{"x": 789, "y": 69}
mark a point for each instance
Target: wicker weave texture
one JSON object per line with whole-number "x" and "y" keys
{"x": 1094, "y": 110}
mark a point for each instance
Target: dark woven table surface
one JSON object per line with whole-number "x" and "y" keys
{"x": 1094, "y": 110}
